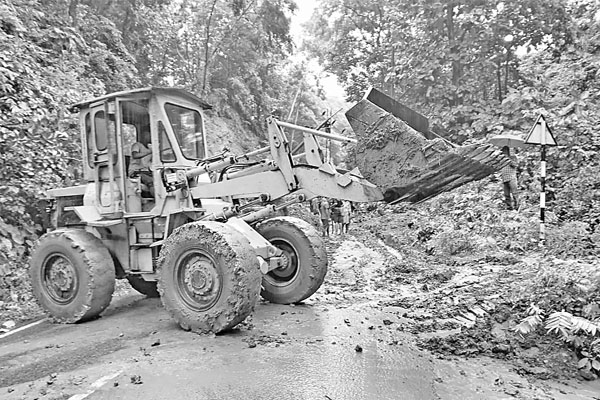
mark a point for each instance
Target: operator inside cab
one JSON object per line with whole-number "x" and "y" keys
{"x": 141, "y": 161}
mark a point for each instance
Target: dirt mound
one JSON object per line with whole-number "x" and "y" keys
{"x": 409, "y": 164}
{"x": 467, "y": 274}
{"x": 389, "y": 152}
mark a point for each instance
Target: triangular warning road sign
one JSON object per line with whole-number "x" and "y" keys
{"x": 540, "y": 133}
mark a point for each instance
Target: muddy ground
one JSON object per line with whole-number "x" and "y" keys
{"x": 380, "y": 327}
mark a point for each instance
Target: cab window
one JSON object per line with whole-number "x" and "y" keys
{"x": 100, "y": 130}
{"x": 187, "y": 127}
{"x": 166, "y": 150}
{"x": 135, "y": 124}
{"x": 88, "y": 139}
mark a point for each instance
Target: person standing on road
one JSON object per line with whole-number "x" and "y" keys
{"x": 509, "y": 181}
{"x": 314, "y": 208}
{"x": 336, "y": 217}
{"x": 346, "y": 212}
{"x": 325, "y": 215}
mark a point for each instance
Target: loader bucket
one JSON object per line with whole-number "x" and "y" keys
{"x": 398, "y": 152}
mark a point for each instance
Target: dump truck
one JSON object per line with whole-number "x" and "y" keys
{"x": 202, "y": 232}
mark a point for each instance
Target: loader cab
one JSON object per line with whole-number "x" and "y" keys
{"x": 131, "y": 140}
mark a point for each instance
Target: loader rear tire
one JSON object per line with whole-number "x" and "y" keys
{"x": 72, "y": 275}
{"x": 148, "y": 288}
{"x": 209, "y": 277}
{"x": 306, "y": 257}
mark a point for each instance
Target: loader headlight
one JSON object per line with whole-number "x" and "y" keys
{"x": 174, "y": 179}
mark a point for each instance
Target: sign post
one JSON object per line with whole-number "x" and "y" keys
{"x": 541, "y": 135}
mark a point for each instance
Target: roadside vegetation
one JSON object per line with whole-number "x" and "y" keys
{"x": 477, "y": 273}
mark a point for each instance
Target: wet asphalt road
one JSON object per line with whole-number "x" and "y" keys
{"x": 284, "y": 352}
{"x": 304, "y": 352}
{"x": 340, "y": 345}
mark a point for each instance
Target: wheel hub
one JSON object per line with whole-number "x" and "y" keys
{"x": 61, "y": 276}
{"x": 198, "y": 280}
{"x": 288, "y": 263}
{"x": 60, "y": 279}
{"x": 284, "y": 261}
{"x": 200, "y": 277}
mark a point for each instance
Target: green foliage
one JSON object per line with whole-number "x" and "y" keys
{"x": 452, "y": 242}
{"x": 472, "y": 220}
{"x": 434, "y": 53}
{"x": 476, "y": 218}
{"x": 16, "y": 299}
{"x": 562, "y": 284}
{"x": 571, "y": 240}
{"x": 530, "y": 322}
{"x": 233, "y": 54}
{"x": 574, "y": 288}
{"x": 579, "y": 332}
{"x": 590, "y": 360}
{"x": 560, "y": 322}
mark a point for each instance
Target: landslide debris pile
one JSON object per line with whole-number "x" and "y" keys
{"x": 397, "y": 151}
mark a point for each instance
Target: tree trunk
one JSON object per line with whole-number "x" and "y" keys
{"x": 125, "y": 25}
{"x": 73, "y": 12}
{"x": 506, "y": 70}
{"x": 499, "y": 79}
{"x": 393, "y": 69}
{"x": 207, "y": 48}
{"x": 456, "y": 64}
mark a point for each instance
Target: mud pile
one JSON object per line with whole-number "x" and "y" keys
{"x": 408, "y": 164}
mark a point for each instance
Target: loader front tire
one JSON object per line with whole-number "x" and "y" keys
{"x": 305, "y": 258}
{"x": 143, "y": 286}
{"x": 72, "y": 275}
{"x": 209, "y": 277}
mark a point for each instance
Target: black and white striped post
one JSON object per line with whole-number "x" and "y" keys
{"x": 543, "y": 192}
{"x": 540, "y": 134}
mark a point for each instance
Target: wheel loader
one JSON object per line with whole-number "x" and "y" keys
{"x": 201, "y": 231}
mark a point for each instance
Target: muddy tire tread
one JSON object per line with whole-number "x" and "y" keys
{"x": 242, "y": 277}
{"x": 100, "y": 271}
{"x": 317, "y": 269}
